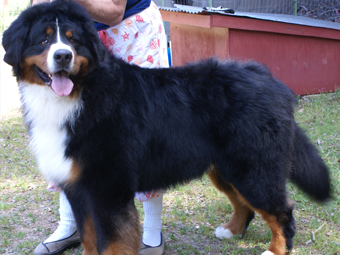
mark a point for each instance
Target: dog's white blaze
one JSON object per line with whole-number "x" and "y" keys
{"x": 59, "y": 45}
{"x": 46, "y": 113}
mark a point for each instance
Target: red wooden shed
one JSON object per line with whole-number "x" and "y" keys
{"x": 302, "y": 52}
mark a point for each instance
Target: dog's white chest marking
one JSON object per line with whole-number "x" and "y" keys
{"x": 46, "y": 113}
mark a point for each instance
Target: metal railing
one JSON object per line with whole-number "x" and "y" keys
{"x": 316, "y": 9}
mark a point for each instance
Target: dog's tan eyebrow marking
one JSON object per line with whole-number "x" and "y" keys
{"x": 69, "y": 33}
{"x": 49, "y": 31}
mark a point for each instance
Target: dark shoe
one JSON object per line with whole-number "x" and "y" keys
{"x": 58, "y": 247}
{"x": 149, "y": 250}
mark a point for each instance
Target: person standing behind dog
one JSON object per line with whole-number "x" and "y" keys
{"x": 133, "y": 31}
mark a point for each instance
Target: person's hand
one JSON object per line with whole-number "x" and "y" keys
{"x": 109, "y": 12}
{"x": 40, "y": 1}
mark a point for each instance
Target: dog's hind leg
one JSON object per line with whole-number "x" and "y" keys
{"x": 283, "y": 230}
{"x": 242, "y": 215}
{"x": 278, "y": 216}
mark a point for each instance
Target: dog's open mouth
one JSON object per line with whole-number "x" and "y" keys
{"x": 60, "y": 82}
{"x": 44, "y": 77}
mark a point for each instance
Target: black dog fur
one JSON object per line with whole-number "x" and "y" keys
{"x": 148, "y": 129}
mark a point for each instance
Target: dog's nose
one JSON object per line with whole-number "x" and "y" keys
{"x": 62, "y": 57}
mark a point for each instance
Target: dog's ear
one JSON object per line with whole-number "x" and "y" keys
{"x": 13, "y": 41}
{"x": 98, "y": 50}
{"x": 12, "y": 55}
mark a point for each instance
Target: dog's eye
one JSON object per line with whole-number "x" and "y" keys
{"x": 73, "y": 41}
{"x": 45, "y": 41}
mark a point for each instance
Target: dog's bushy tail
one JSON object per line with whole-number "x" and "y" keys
{"x": 309, "y": 171}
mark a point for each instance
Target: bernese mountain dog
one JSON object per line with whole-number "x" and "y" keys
{"x": 104, "y": 129}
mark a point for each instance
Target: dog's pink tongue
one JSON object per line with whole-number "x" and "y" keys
{"x": 61, "y": 84}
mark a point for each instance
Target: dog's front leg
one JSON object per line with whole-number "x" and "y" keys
{"x": 110, "y": 228}
{"x": 125, "y": 239}
{"x": 89, "y": 237}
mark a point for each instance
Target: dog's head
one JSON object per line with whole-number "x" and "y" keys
{"x": 53, "y": 44}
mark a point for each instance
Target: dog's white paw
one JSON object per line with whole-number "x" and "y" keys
{"x": 267, "y": 253}
{"x": 221, "y": 233}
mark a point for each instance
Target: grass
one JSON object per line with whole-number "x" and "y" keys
{"x": 29, "y": 213}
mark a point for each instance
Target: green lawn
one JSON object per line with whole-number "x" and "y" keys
{"x": 29, "y": 213}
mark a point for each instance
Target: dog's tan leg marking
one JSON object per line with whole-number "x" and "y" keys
{"x": 237, "y": 222}
{"x": 119, "y": 249}
{"x": 89, "y": 238}
{"x": 241, "y": 209}
{"x": 278, "y": 242}
{"x": 127, "y": 241}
